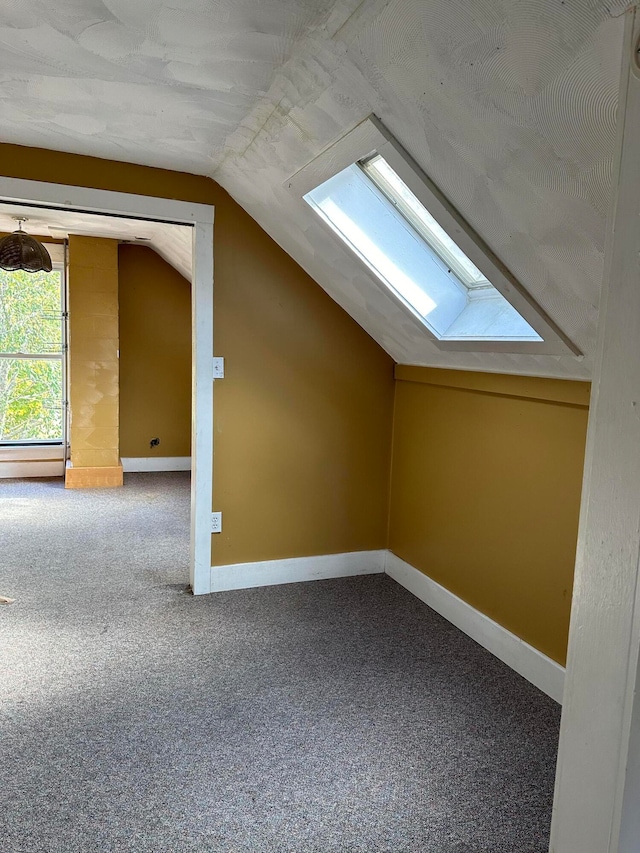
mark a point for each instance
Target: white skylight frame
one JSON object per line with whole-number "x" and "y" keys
{"x": 377, "y": 170}
{"x": 370, "y": 138}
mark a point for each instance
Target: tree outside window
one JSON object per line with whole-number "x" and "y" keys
{"x": 31, "y": 356}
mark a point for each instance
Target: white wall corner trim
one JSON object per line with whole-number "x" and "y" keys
{"x": 540, "y": 670}
{"x": 296, "y": 569}
{"x": 135, "y": 464}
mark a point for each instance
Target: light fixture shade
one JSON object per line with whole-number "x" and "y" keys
{"x": 19, "y": 251}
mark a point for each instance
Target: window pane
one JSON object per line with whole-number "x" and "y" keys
{"x": 399, "y": 193}
{"x": 383, "y": 222}
{"x": 30, "y": 312}
{"x": 30, "y": 399}
{"x": 390, "y": 246}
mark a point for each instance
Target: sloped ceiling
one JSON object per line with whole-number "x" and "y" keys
{"x": 509, "y": 107}
{"x": 172, "y": 242}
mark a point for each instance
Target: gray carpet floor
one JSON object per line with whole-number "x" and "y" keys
{"x": 339, "y": 715}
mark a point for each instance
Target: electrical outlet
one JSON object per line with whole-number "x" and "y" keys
{"x": 218, "y": 367}
{"x": 216, "y": 522}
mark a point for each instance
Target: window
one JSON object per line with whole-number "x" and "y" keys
{"x": 399, "y": 225}
{"x": 32, "y": 356}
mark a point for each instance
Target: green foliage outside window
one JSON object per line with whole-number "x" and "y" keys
{"x": 31, "y": 390}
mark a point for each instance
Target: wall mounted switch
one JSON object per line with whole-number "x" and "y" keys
{"x": 218, "y": 367}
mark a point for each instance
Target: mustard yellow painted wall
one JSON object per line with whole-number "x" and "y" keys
{"x": 303, "y": 417}
{"x": 93, "y": 352}
{"x": 485, "y": 492}
{"x": 486, "y": 479}
{"x": 155, "y": 355}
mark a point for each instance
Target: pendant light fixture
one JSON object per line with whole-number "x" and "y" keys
{"x": 20, "y": 251}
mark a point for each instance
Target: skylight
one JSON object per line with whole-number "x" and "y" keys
{"x": 383, "y": 222}
{"x": 400, "y": 195}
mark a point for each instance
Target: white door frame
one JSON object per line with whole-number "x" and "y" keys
{"x": 200, "y": 218}
{"x": 598, "y": 772}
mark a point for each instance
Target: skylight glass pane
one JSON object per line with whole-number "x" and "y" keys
{"x": 383, "y": 222}
{"x": 387, "y": 243}
{"x": 399, "y": 193}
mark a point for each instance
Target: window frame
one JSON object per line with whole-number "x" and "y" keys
{"x": 369, "y": 138}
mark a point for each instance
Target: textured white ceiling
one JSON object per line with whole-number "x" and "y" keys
{"x": 509, "y": 107}
{"x": 148, "y": 81}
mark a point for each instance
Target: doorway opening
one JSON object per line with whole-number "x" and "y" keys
{"x": 182, "y": 233}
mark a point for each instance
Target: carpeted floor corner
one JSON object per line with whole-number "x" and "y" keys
{"x": 329, "y": 717}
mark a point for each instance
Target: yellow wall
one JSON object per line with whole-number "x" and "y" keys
{"x": 93, "y": 352}
{"x": 303, "y": 419}
{"x": 486, "y": 469}
{"x": 155, "y": 355}
{"x": 485, "y": 492}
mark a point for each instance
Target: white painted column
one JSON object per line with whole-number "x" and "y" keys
{"x": 202, "y": 403}
{"x": 597, "y": 799}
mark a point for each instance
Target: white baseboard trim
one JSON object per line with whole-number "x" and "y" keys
{"x": 138, "y": 464}
{"x": 537, "y": 668}
{"x": 270, "y": 572}
{"x": 31, "y": 452}
{"x": 31, "y": 468}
